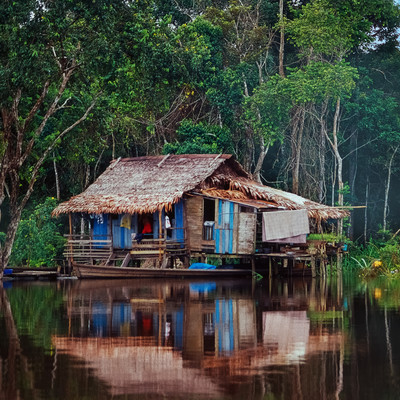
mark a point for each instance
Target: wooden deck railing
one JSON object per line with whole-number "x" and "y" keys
{"x": 157, "y": 247}
{"x": 148, "y": 248}
{"x": 89, "y": 249}
{"x": 85, "y": 247}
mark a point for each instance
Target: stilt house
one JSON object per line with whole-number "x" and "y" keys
{"x": 182, "y": 206}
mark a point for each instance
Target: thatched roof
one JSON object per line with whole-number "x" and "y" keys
{"x": 286, "y": 200}
{"x": 147, "y": 184}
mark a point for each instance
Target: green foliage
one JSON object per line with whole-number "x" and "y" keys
{"x": 321, "y": 29}
{"x": 328, "y": 237}
{"x": 318, "y": 81}
{"x": 379, "y": 257}
{"x": 159, "y": 67}
{"x": 39, "y": 241}
{"x": 267, "y": 110}
{"x": 200, "y": 138}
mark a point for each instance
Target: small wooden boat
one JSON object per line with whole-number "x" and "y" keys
{"x": 84, "y": 271}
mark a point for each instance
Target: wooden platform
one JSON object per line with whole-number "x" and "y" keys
{"x": 33, "y": 273}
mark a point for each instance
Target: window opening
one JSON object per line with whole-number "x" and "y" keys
{"x": 208, "y": 219}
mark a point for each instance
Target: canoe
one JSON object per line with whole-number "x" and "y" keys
{"x": 84, "y": 271}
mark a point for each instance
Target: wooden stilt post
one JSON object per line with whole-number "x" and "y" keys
{"x": 323, "y": 260}
{"x": 339, "y": 260}
{"x": 71, "y": 257}
{"x": 313, "y": 273}
{"x": 270, "y": 267}
{"x": 160, "y": 257}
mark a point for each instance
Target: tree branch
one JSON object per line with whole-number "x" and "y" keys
{"x": 51, "y": 110}
{"x": 35, "y": 108}
{"x": 50, "y": 148}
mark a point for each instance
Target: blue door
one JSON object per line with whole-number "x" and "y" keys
{"x": 224, "y": 229}
{"x": 179, "y": 224}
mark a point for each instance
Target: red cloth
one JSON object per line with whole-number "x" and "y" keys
{"x": 147, "y": 228}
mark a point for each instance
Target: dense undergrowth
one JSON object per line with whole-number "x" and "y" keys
{"x": 379, "y": 257}
{"x": 39, "y": 240}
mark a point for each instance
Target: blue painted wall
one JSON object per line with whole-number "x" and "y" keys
{"x": 100, "y": 230}
{"x": 122, "y": 237}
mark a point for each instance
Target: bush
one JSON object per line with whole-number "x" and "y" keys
{"x": 379, "y": 258}
{"x": 39, "y": 241}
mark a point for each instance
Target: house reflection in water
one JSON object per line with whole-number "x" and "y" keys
{"x": 183, "y": 337}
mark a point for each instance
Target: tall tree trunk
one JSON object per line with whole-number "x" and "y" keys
{"x": 352, "y": 179}
{"x": 296, "y": 143}
{"x": 387, "y": 188}
{"x": 340, "y": 191}
{"x": 249, "y": 150}
{"x": 333, "y": 182}
{"x": 86, "y": 184}
{"x": 335, "y": 148}
{"x": 282, "y": 41}
{"x": 261, "y": 157}
{"x": 322, "y": 152}
{"x": 366, "y": 210}
{"x": 10, "y": 235}
{"x": 56, "y": 177}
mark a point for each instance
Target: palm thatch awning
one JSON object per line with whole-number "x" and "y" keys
{"x": 148, "y": 184}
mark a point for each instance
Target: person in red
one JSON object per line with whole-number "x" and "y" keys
{"x": 146, "y": 229}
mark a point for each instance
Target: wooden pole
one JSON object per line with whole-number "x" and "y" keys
{"x": 269, "y": 267}
{"x": 71, "y": 258}
{"x": 160, "y": 234}
{"x": 313, "y": 273}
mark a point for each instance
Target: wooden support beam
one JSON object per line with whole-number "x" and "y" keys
{"x": 126, "y": 260}
{"x": 109, "y": 258}
{"x": 164, "y": 263}
{"x": 162, "y": 161}
{"x": 149, "y": 252}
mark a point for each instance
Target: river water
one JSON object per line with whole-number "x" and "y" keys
{"x": 175, "y": 339}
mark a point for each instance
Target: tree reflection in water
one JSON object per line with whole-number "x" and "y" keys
{"x": 296, "y": 339}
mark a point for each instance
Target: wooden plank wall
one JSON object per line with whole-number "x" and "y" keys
{"x": 195, "y": 210}
{"x": 247, "y": 233}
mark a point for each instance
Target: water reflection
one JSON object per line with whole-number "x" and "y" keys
{"x": 298, "y": 339}
{"x": 156, "y": 338}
